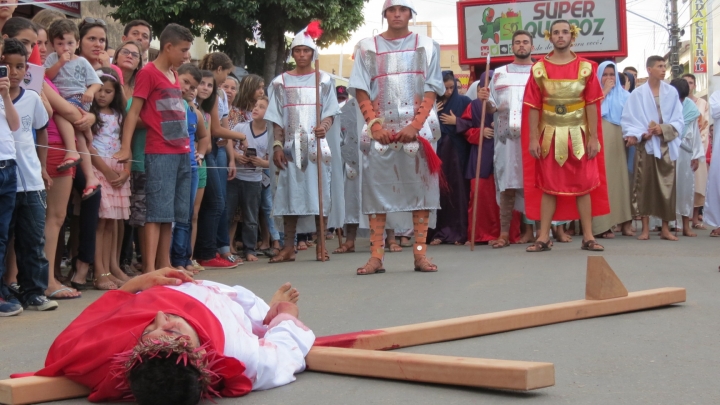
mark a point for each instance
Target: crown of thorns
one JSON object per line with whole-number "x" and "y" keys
{"x": 146, "y": 349}
{"x": 574, "y": 32}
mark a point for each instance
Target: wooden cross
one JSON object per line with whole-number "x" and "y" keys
{"x": 366, "y": 353}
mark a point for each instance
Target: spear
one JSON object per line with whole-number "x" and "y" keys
{"x": 315, "y": 32}
{"x": 479, "y": 158}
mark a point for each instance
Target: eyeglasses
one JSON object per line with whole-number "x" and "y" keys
{"x": 127, "y": 52}
{"x": 98, "y": 21}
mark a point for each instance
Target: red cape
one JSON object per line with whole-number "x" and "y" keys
{"x": 85, "y": 350}
{"x": 566, "y": 209}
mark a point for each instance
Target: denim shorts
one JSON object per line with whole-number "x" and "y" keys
{"x": 76, "y": 100}
{"x": 167, "y": 189}
{"x": 138, "y": 204}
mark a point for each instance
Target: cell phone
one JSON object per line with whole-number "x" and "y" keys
{"x": 3, "y": 71}
{"x": 251, "y": 152}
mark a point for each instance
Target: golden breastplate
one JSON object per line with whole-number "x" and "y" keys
{"x": 563, "y": 112}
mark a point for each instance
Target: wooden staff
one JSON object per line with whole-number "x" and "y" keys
{"x": 318, "y": 116}
{"x": 479, "y": 158}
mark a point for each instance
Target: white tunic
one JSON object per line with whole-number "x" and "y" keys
{"x": 691, "y": 148}
{"x": 711, "y": 213}
{"x": 272, "y": 355}
{"x": 507, "y": 89}
{"x": 396, "y": 74}
{"x": 296, "y": 188}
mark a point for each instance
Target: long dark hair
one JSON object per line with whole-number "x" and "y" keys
{"x": 86, "y": 26}
{"x": 108, "y": 75}
{"x": 208, "y": 104}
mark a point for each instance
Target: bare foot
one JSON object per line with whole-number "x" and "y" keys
{"x": 435, "y": 242}
{"x": 645, "y": 235}
{"x": 191, "y": 269}
{"x": 119, "y": 274}
{"x": 563, "y": 237}
{"x": 286, "y": 293}
{"x": 118, "y": 282}
{"x": 668, "y": 236}
{"x": 250, "y": 258}
{"x": 627, "y": 230}
{"x": 526, "y": 238}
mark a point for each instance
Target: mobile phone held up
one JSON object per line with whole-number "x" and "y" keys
{"x": 3, "y": 71}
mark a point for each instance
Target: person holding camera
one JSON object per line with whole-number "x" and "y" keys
{"x": 246, "y": 188}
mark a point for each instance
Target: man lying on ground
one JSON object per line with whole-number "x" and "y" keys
{"x": 165, "y": 339}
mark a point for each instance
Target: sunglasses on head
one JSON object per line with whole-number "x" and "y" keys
{"x": 98, "y": 21}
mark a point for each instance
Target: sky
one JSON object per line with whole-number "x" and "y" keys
{"x": 647, "y": 38}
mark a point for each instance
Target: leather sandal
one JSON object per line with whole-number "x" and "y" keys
{"x": 423, "y": 265}
{"x": 592, "y": 246}
{"x": 371, "y": 268}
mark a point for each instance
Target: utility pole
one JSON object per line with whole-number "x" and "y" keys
{"x": 675, "y": 67}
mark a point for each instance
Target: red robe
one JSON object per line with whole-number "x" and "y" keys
{"x": 577, "y": 176}
{"x": 85, "y": 350}
{"x": 487, "y": 224}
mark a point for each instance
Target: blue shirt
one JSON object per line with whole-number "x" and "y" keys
{"x": 192, "y": 123}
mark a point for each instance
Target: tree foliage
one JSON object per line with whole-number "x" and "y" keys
{"x": 228, "y": 24}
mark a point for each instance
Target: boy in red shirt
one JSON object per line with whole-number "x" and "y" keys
{"x": 158, "y": 102}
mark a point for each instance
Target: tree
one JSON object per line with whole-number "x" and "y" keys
{"x": 228, "y": 24}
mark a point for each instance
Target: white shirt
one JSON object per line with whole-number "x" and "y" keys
{"x": 7, "y": 142}
{"x": 260, "y": 143}
{"x": 32, "y": 116}
{"x": 223, "y": 108}
{"x": 271, "y": 354}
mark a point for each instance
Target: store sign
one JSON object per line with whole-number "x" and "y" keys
{"x": 698, "y": 37}
{"x": 71, "y": 8}
{"x": 488, "y": 27}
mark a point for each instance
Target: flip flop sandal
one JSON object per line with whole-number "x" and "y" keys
{"x": 271, "y": 252}
{"x": 64, "y": 166}
{"x": 714, "y": 234}
{"x": 281, "y": 259}
{"x": 699, "y": 226}
{"x": 592, "y": 246}
{"x": 539, "y": 246}
{"x": 95, "y": 190}
{"x": 53, "y": 297}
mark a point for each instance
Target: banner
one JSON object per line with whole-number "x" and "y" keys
{"x": 71, "y": 8}
{"x": 489, "y": 27}
{"x": 698, "y": 39}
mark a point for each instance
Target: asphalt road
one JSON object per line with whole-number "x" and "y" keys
{"x": 661, "y": 356}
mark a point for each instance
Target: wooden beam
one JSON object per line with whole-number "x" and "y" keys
{"x": 33, "y": 390}
{"x": 486, "y": 324}
{"x": 601, "y": 281}
{"x": 449, "y": 370}
{"x": 463, "y": 371}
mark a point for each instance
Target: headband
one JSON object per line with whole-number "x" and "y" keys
{"x": 574, "y": 32}
{"x": 108, "y": 75}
